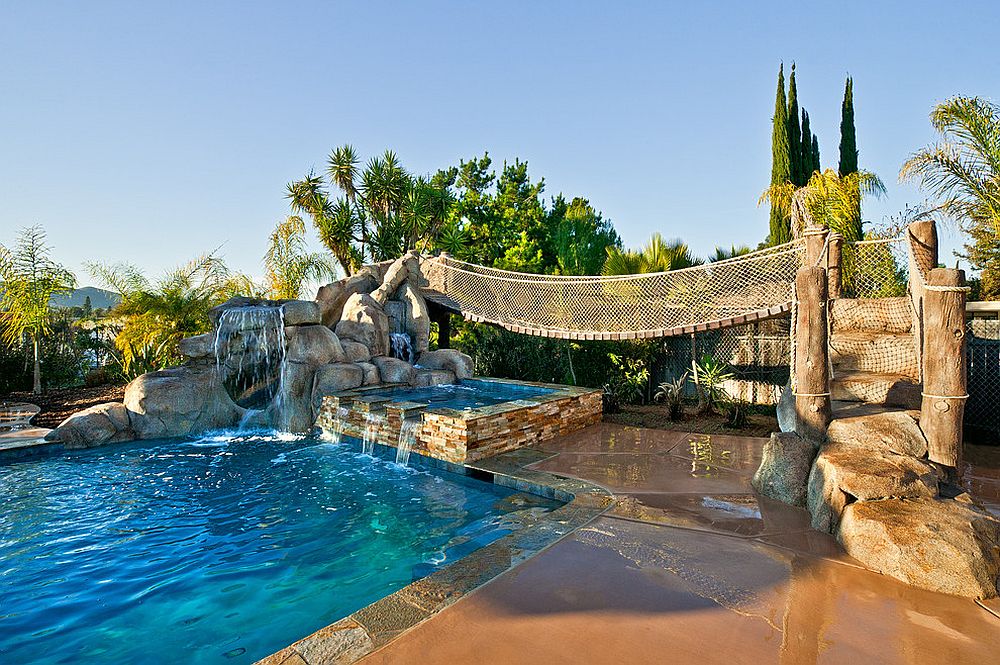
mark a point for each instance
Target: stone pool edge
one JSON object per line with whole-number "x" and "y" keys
{"x": 372, "y": 627}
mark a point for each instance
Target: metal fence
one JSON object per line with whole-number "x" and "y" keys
{"x": 757, "y": 354}
{"x": 982, "y": 411}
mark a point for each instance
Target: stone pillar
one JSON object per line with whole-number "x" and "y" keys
{"x": 833, "y": 264}
{"x": 813, "y": 410}
{"x": 944, "y": 366}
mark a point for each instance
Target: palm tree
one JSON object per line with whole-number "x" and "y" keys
{"x": 287, "y": 262}
{"x": 828, "y": 200}
{"x": 722, "y": 253}
{"x": 962, "y": 171}
{"x": 155, "y": 316}
{"x": 28, "y": 279}
{"x": 657, "y": 256}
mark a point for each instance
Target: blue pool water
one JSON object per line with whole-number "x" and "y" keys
{"x": 472, "y": 393}
{"x": 217, "y": 550}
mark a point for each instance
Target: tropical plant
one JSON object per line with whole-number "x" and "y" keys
{"x": 288, "y": 264}
{"x": 671, "y": 394}
{"x": 828, "y": 200}
{"x": 708, "y": 378}
{"x": 155, "y": 315}
{"x": 723, "y": 253}
{"x": 962, "y": 170}
{"x": 629, "y": 380}
{"x": 383, "y": 210}
{"x": 738, "y": 414}
{"x": 657, "y": 256}
{"x": 29, "y": 277}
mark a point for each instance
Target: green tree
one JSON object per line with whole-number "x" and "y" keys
{"x": 796, "y": 167}
{"x": 827, "y": 200}
{"x": 780, "y": 225}
{"x": 581, "y": 236}
{"x": 805, "y": 148}
{"x": 815, "y": 155}
{"x": 288, "y": 264}
{"x": 658, "y": 255}
{"x": 849, "y": 143}
{"x": 724, "y": 253}
{"x": 29, "y": 278}
{"x": 962, "y": 170}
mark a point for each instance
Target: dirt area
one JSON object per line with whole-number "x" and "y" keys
{"x": 58, "y": 404}
{"x": 654, "y": 416}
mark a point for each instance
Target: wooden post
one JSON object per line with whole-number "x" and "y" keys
{"x": 815, "y": 245}
{"x": 813, "y": 410}
{"x": 923, "y": 247}
{"x": 944, "y": 364}
{"x": 834, "y": 259}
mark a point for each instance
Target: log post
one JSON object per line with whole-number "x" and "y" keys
{"x": 833, "y": 262}
{"x": 815, "y": 245}
{"x": 813, "y": 410}
{"x": 923, "y": 249}
{"x": 944, "y": 365}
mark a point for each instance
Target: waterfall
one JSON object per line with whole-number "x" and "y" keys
{"x": 407, "y": 437}
{"x": 250, "y": 354}
{"x": 373, "y": 423}
{"x": 336, "y": 428}
{"x": 400, "y": 346}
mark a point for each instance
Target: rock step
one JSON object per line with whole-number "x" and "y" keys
{"x": 866, "y": 351}
{"x": 892, "y": 315}
{"x": 887, "y": 389}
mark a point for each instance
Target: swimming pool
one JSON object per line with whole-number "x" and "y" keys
{"x": 220, "y": 549}
{"x": 470, "y": 394}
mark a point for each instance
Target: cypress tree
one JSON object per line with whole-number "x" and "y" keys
{"x": 780, "y": 229}
{"x": 805, "y": 149}
{"x": 794, "y": 132}
{"x": 815, "y": 154}
{"x": 849, "y": 147}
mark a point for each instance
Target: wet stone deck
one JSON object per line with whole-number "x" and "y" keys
{"x": 689, "y": 566}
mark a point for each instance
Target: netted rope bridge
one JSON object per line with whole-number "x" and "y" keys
{"x": 715, "y": 295}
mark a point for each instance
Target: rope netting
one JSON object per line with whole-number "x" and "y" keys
{"x": 754, "y": 286}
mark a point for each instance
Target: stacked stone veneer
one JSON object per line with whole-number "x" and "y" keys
{"x": 465, "y": 436}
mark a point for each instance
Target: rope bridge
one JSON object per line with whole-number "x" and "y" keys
{"x": 715, "y": 295}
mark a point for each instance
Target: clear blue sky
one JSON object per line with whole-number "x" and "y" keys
{"x": 151, "y": 134}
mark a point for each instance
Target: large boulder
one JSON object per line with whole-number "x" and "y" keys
{"x": 394, "y": 370}
{"x": 371, "y": 374}
{"x": 179, "y": 401}
{"x": 300, "y": 313}
{"x": 103, "y": 423}
{"x": 335, "y": 378}
{"x": 896, "y": 431}
{"x": 356, "y": 352}
{"x": 433, "y": 377}
{"x": 449, "y": 359}
{"x": 938, "y": 544}
{"x": 416, "y": 318}
{"x": 784, "y": 469}
{"x": 845, "y": 473}
{"x": 198, "y": 347}
{"x": 332, "y": 297}
{"x": 397, "y": 273}
{"x": 292, "y": 408}
{"x": 313, "y": 345}
{"x": 364, "y": 321}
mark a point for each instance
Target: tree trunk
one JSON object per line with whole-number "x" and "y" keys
{"x": 812, "y": 370}
{"x": 36, "y": 387}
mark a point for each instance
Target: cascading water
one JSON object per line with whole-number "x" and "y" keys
{"x": 335, "y": 431}
{"x": 250, "y": 356}
{"x": 401, "y": 346}
{"x": 373, "y": 424}
{"x": 407, "y": 437}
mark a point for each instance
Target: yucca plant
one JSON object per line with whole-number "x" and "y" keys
{"x": 708, "y": 379}
{"x": 671, "y": 394}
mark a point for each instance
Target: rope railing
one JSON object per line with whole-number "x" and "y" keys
{"x": 729, "y": 292}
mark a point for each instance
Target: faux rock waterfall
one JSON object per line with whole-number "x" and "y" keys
{"x": 270, "y": 363}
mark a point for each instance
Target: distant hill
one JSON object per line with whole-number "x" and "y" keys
{"x": 99, "y": 298}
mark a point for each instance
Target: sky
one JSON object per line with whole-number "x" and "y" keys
{"x": 154, "y": 132}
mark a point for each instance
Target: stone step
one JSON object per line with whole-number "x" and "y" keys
{"x": 871, "y": 314}
{"x": 885, "y": 352}
{"x": 888, "y": 389}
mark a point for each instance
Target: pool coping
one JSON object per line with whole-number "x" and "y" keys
{"x": 370, "y": 628}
